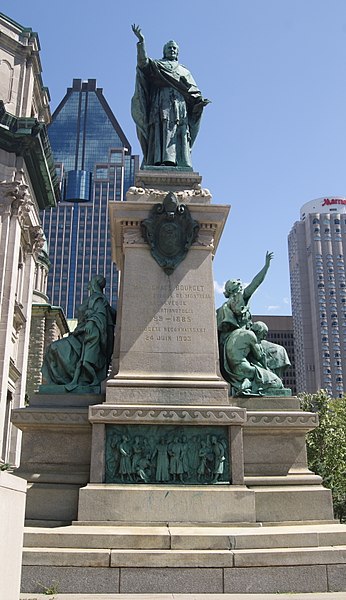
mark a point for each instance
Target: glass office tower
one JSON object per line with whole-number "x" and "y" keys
{"x": 95, "y": 166}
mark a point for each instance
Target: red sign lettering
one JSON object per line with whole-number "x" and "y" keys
{"x": 330, "y": 201}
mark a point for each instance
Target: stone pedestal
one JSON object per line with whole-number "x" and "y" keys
{"x": 144, "y": 504}
{"x": 165, "y": 379}
{"x": 56, "y": 449}
{"x": 166, "y": 345}
{"x": 12, "y": 508}
{"x": 275, "y": 462}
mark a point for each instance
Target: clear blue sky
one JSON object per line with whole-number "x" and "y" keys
{"x": 274, "y": 136}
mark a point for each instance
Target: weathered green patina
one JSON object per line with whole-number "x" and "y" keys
{"x": 80, "y": 361}
{"x": 27, "y": 137}
{"x": 251, "y": 364}
{"x": 170, "y": 231}
{"x": 167, "y": 107}
{"x": 167, "y": 454}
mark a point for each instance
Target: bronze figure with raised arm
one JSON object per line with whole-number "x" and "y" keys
{"x": 251, "y": 364}
{"x": 166, "y": 107}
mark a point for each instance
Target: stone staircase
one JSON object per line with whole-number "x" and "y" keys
{"x": 106, "y": 558}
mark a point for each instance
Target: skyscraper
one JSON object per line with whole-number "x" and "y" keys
{"x": 317, "y": 252}
{"x": 95, "y": 165}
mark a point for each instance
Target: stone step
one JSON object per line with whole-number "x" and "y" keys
{"x": 188, "y": 559}
{"x": 317, "y": 596}
{"x": 185, "y": 538}
{"x": 279, "y": 557}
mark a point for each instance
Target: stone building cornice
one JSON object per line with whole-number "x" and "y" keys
{"x": 24, "y": 42}
{"x": 27, "y": 137}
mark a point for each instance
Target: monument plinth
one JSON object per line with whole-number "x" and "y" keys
{"x": 166, "y": 345}
{"x": 166, "y": 405}
{"x": 175, "y": 178}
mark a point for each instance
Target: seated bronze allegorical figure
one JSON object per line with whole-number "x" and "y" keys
{"x": 81, "y": 360}
{"x": 251, "y": 364}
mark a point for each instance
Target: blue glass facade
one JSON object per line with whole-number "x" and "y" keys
{"x": 95, "y": 166}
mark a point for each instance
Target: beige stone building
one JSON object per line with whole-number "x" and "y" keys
{"x": 48, "y": 323}
{"x": 28, "y": 183}
{"x": 317, "y": 250}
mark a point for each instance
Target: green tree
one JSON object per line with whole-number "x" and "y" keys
{"x": 326, "y": 445}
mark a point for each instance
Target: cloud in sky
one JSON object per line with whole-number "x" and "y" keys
{"x": 219, "y": 287}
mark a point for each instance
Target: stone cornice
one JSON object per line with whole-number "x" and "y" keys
{"x": 50, "y": 417}
{"x": 151, "y": 414}
{"x": 196, "y": 195}
{"x": 282, "y": 420}
{"x": 28, "y": 138}
{"x": 55, "y": 313}
{"x": 125, "y": 219}
{"x": 23, "y": 43}
{"x": 14, "y": 373}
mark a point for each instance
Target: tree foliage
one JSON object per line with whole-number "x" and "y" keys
{"x": 326, "y": 445}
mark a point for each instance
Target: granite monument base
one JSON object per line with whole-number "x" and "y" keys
{"x": 165, "y": 503}
{"x": 168, "y": 559}
{"x": 55, "y": 457}
{"x": 12, "y": 508}
{"x": 273, "y": 533}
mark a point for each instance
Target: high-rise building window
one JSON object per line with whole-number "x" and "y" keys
{"x": 87, "y": 141}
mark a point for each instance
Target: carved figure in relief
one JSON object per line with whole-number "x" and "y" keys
{"x": 175, "y": 462}
{"x": 125, "y": 467}
{"x": 218, "y": 458}
{"x": 202, "y": 466}
{"x": 166, "y": 458}
{"x": 137, "y": 449}
{"x": 193, "y": 457}
{"x": 162, "y": 461}
{"x": 184, "y": 456}
{"x": 113, "y": 456}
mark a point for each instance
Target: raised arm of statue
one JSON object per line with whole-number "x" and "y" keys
{"x": 138, "y": 32}
{"x": 167, "y": 106}
{"x": 142, "y": 58}
{"x": 258, "y": 279}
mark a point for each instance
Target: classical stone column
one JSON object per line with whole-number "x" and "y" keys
{"x": 13, "y": 196}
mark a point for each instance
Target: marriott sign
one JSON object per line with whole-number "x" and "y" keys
{"x": 330, "y": 204}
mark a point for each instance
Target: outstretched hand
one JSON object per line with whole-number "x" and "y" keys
{"x": 198, "y": 107}
{"x": 138, "y": 33}
{"x": 269, "y": 257}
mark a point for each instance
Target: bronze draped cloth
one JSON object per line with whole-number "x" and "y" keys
{"x": 166, "y": 93}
